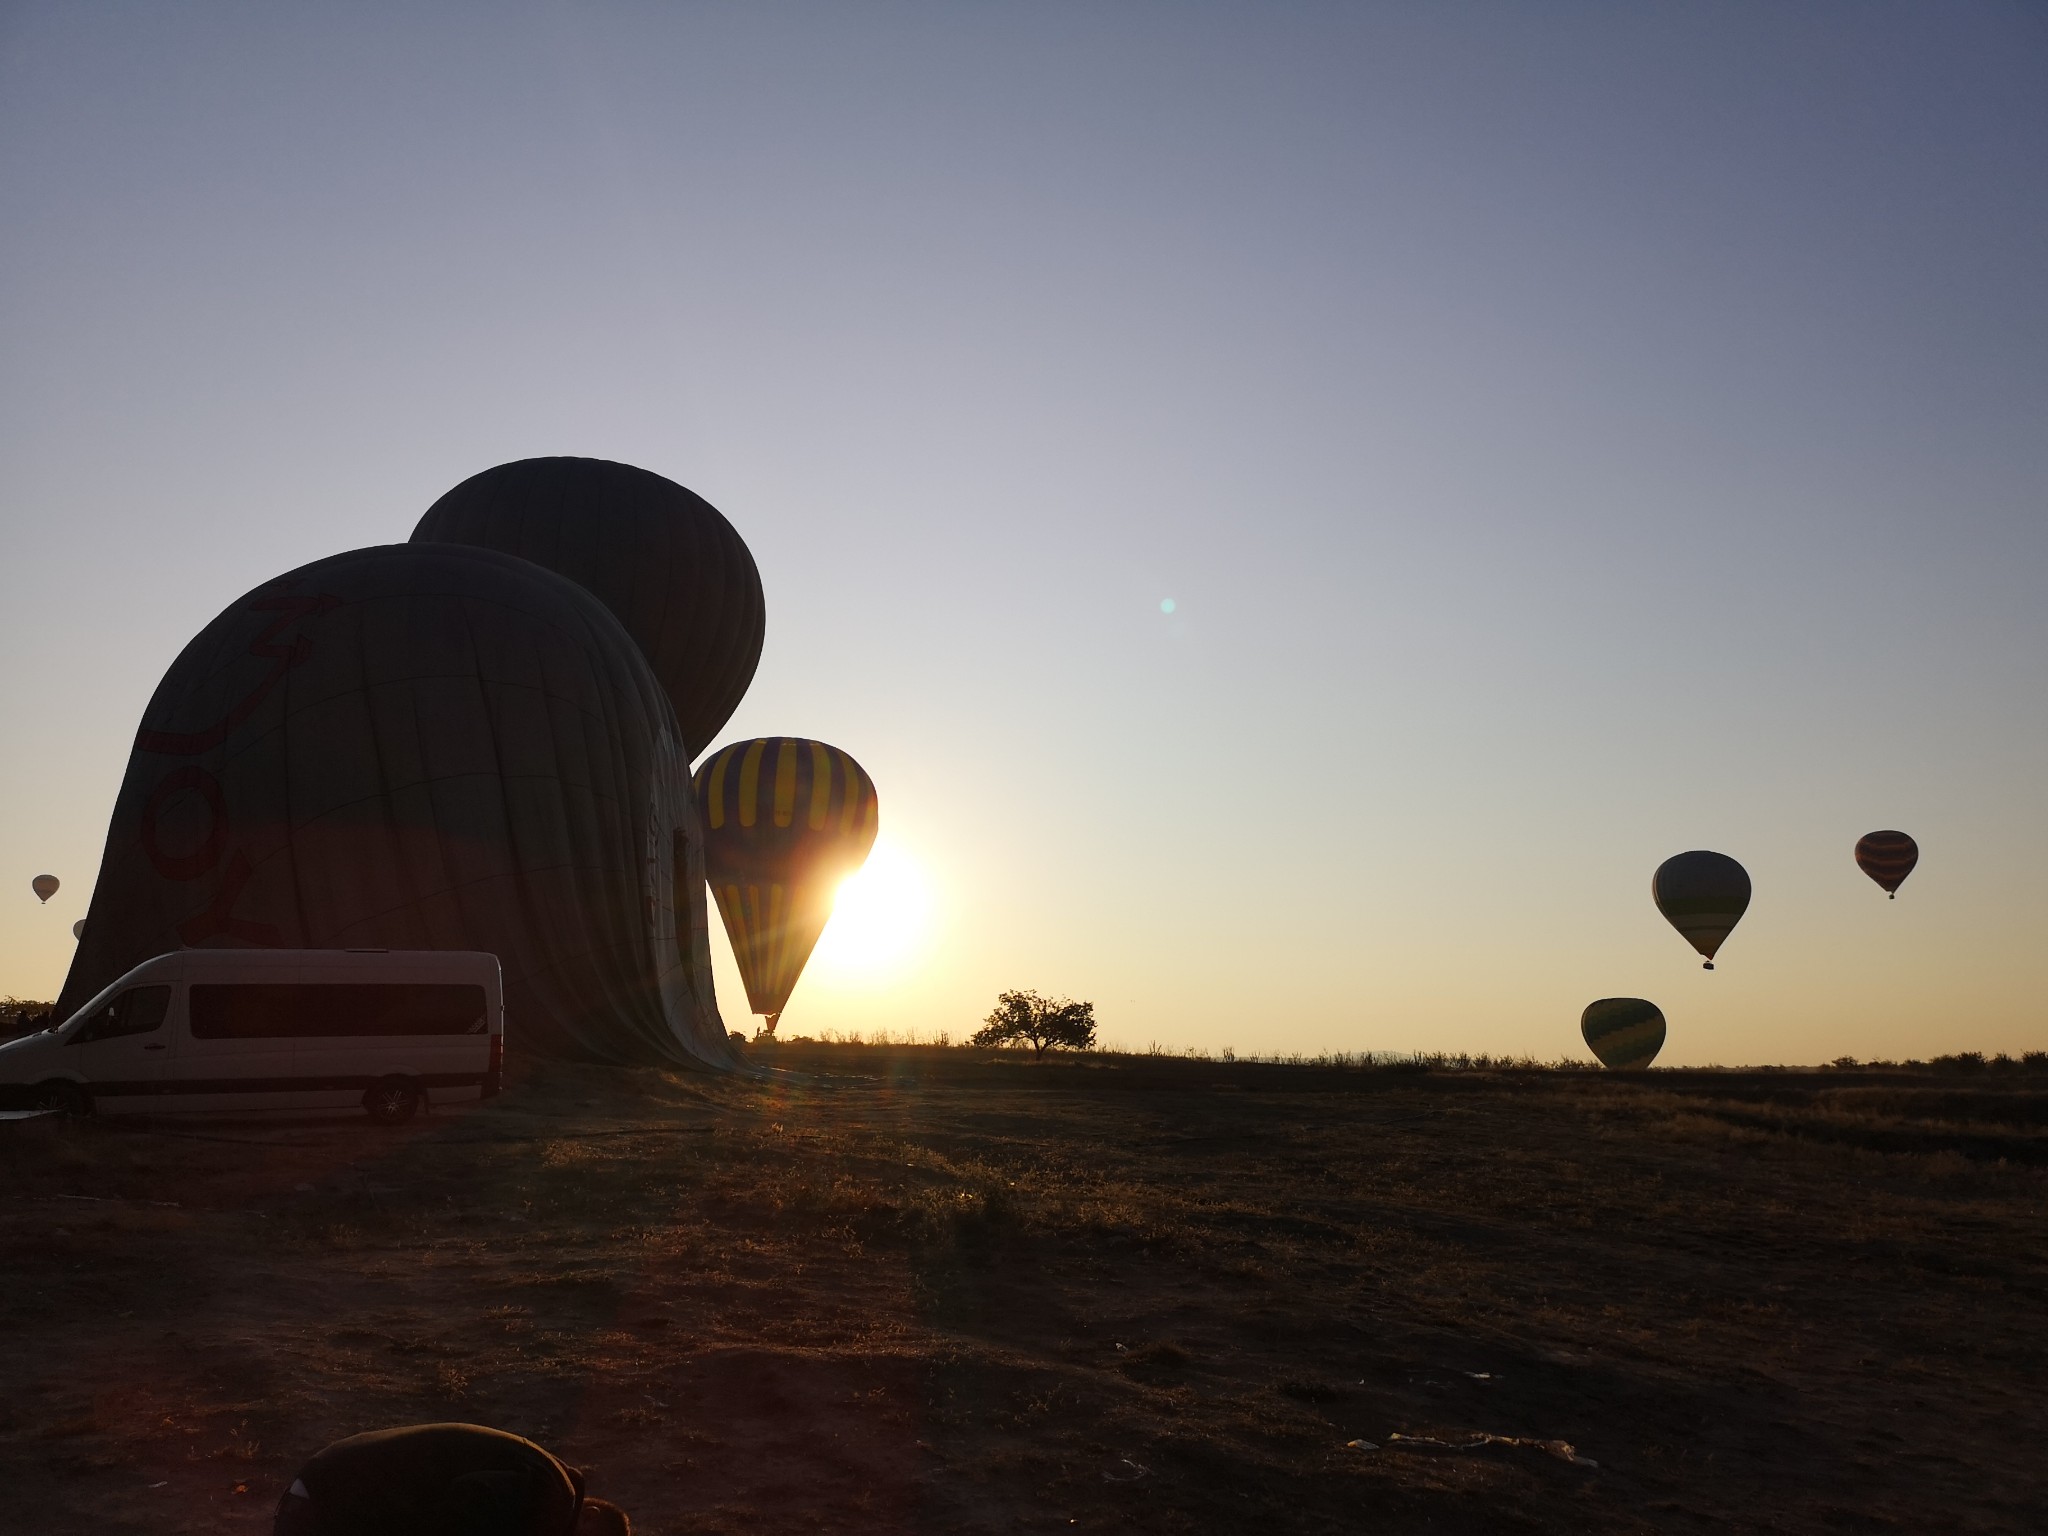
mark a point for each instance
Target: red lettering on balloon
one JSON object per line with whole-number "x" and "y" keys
{"x": 265, "y": 646}
{"x": 219, "y": 918}
{"x": 186, "y": 866}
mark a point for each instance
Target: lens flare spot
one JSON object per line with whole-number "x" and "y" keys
{"x": 1166, "y": 605}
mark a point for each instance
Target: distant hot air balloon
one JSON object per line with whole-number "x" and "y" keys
{"x": 1703, "y": 895}
{"x": 45, "y": 886}
{"x": 785, "y": 820}
{"x": 672, "y": 570}
{"x": 78, "y": 929}
{"x": 1887, "y": 857}
{"x": 1624, "y": 1032}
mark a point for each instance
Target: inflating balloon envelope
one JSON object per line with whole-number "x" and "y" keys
{"x": 785, "y": 821}
{"x": 667, "y": 564}
{"x": 424, "y": 746}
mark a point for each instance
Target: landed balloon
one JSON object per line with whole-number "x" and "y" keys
{"x": 45, "y": 886}
{"x": 1626, "y": 1033}
{"x": 1703, "y": 895}
{"x": 672, "y": 570}
{"x": 1887, "y": 857}
{"x": 785, "y": 821}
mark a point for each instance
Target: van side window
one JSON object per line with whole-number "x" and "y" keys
{"x": 138, "y": 1011}
{"x": 299, "y": 1010}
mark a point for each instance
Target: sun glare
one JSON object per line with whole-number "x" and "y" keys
{"x": 879, "y": 920}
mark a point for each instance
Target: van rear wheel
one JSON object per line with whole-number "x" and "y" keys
{"x": 65, "y": 1098}
{"x": 392, "y": 1102}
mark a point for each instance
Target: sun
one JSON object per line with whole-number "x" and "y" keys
{"x": 880, "y": 919}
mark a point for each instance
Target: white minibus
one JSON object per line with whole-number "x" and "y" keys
{"x": 221, "y": 1030}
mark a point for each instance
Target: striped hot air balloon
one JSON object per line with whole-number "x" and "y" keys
{"x": 785, "y": 821}
{"x": 1703, "y": 895}
{"x": 1887, "y": 857}
{"x": 1624, "y": 1032}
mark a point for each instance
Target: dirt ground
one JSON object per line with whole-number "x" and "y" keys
{"x": 934, "y": 1291}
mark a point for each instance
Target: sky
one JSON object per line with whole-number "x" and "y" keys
{"x": 1566, "y": 435}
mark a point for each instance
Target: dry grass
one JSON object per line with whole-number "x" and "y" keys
{"x": 955, "y": 1294}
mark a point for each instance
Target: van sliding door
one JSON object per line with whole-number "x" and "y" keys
{"x": 238, "y": 1053}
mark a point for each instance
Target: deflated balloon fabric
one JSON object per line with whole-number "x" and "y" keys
{"x": 424, "y": 746}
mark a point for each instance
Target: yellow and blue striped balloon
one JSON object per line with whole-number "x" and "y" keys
{"x": 785, "y": 821}
{"x": 1624, "y": 1032}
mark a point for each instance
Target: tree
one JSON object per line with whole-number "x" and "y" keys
{"x": 1040, "y": 1022}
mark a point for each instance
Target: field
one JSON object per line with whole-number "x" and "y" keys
{"x": 926, "y": 1290}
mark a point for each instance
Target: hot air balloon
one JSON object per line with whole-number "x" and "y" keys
{"x": 663, "y": 559}
{"x": 1624, "y": 1032}
{"x": 785, "y": 821}
{"x": 78, "y": 929}
{"x": 1703, "y": 895}
{"x": 1887, "y": 857}
{"x": 424, "y": 746}
{"x": 45, "y": 886}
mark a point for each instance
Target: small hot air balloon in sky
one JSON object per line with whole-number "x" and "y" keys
{"x": 1887, "y": 857}
{"x": 1624, "y": 1032}
{"x": 1703, "y": 895}
{"x": 45, "y": 886}
{"x": 78, "y": 929}
{"x": 785, "y": 821}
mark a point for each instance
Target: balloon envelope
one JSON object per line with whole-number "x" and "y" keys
{"x": 78, "y": 929}
{"x": 1887, "y": 857}
{"x": 424, "y": 746}
{"x": 663, "y": 559}
{"x": 1703, "y": 895}
{"x": 45, "y": 886}
{"x": 785, "y": 821}
{"x": 1624, "y": 1032}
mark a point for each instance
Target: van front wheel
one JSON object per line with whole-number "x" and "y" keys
{"x": 392, "y": 1102}
{"x": 65, "y": 1098}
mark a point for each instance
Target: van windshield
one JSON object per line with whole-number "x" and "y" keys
{"x": 137, "y": 1011}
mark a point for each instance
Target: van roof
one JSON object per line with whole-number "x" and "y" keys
{"x": 259, "y": 959}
